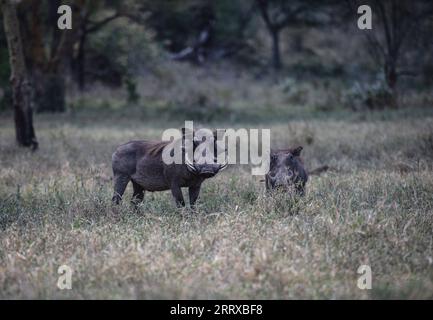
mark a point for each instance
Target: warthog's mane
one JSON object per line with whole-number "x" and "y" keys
{"x": 155, "y": 148}
{"x": 284, "y": 151}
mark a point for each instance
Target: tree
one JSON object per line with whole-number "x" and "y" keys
{"x": 21, "y": 86}
{"x": 48, "y": 49}
{"x": 200, "y": 30}
{"x": 396, "y": 23}
{"x": 51, "y": 53}
{"x": 279, "y": 14}
{"x": 89, "y": 24}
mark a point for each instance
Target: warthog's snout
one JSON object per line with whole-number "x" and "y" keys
{"x": 207, "y": 171}
{"x": 204, "y": 170}
{"x": 281, "y": 179}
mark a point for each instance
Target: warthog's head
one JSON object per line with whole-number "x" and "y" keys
{"x": 204, "y": 161}
{"x": 287, "y": 171}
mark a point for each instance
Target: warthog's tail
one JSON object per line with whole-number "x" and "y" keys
{"x": 318, "y": 171}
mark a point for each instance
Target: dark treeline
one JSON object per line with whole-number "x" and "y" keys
{"x": 199, "y": 32}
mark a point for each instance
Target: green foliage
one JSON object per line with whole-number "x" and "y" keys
{"x": 131, "y": 51}
{"x": 131, "y": 88}
{"x": 375, "y": 96}
{"x": 232, "y": 20}
{"x": 177, "y": 21}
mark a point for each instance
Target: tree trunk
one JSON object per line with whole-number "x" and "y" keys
{"x": 81, "y": 59}
{"x": 391, "y": 74}
{"x": 276, "y": 56}
{"x": 48, "y": 80}
{"x": 50, "y": 91}
{"x": 53, "y": 5}
{"x": 21, "y": 87}
{"x": 391, "y": 78}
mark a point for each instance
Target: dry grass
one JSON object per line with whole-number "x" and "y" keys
{"x": 374, "y": 208}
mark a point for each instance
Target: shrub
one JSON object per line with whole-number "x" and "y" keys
{"x": 375, "y": 96}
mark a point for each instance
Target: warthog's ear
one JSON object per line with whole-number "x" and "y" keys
{"x": 297, "y": 151}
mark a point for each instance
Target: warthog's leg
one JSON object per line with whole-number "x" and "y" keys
{"x": 193, "y": 194}
{"x": 120, "y": 183}
{"x": 300, "y": 189}
{"x": 178, "y": 196}
{"x": 268, "y": 183}
{"x": 138, "y": 195}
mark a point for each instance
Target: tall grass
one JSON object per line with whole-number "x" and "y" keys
{"x": 374, "y": 207}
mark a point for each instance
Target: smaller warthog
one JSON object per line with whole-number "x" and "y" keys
{"x": 141, "y": 163}
{"x": 287, "y": 171}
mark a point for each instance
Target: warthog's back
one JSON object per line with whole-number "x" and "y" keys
{"x": 141, "y": 161}
{"x": 126, "y": 156}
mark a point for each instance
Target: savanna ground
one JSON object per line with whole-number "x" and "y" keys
{"x": 374, "y": 207}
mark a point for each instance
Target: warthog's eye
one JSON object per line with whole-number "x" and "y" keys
{"x": 289, "y": 159}
{"x": 272, "y": 174}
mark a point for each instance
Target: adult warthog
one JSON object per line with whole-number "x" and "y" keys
{"x": 141, "y": 162}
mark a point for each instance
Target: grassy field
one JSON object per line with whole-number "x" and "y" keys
{"x": 374, "y": 207}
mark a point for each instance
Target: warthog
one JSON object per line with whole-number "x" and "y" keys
{"x": 141, "y": 163}
{"x": 287, "y": 171}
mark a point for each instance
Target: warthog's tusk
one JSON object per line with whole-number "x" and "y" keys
{"x": 223, "y": 166}
{"x": 189, "y": 163}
